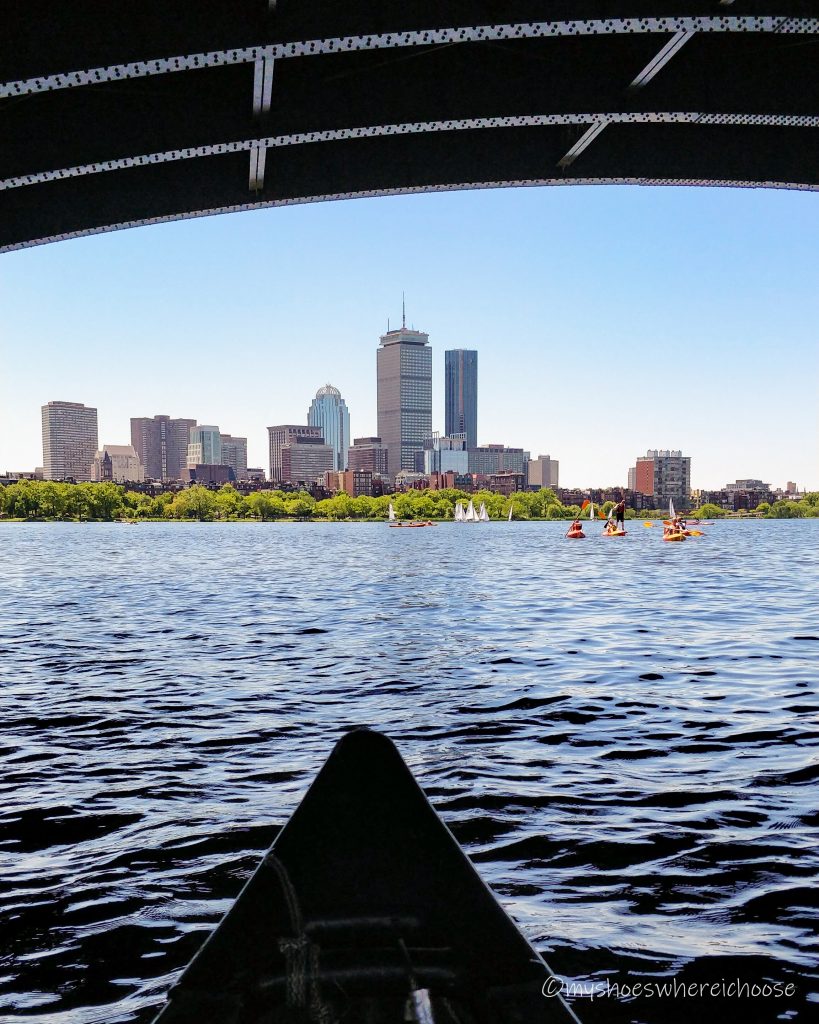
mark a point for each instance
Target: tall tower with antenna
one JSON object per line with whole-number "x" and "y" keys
{"x": 404, "y": 386}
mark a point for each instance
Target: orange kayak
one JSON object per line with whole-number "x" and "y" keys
{"x": 674, "y": 536}
{"x": 614, "y": 533}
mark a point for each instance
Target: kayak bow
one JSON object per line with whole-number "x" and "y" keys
{"x": 365, "y": 909}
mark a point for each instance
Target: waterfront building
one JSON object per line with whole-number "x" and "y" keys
{"x": 543, "y": 472}
{"x": 328, "y": 411}
{"x": 161, "y": 445}
{"x": 506, "y": 483}
{"x": 70, "y": 440}
{"x": 497, "y": 458}
{"x": 204, "y": 447}
{"x": 118, "y": 463}
{"x": 461, "y": 394}
{"x": 286, "y": 433}
{"x": 368, "y": 453}
{"x": 664, "y": 474}
{"x": 305, "y": 460}
{"x": 355, "y": 482}
{"x": 234, "y": 454}
{"x": 444, "y": 454}
{"x": 404, "y": 385}
{"x": 255, "y": 473}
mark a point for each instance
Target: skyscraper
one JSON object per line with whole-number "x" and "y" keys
{"x": 234, "y": 454}
{"x": 461, "y": 394}
{"x": 543, "y": 472}
{"x": 161, "y": 444}
{"x": 404, "y": 370}
{"x": 204, "y": 447}
{"x": 69, "y": 440}
{"x": 329, "y": 412}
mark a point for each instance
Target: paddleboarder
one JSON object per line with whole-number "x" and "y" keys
{"x": 619, "y": 512}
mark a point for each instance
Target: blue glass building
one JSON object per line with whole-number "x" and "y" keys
{"x": 461, "y": 394}
{"x": 328, "y": 411}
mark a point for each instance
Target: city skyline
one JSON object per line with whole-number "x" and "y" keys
{"x": 606, "y": 340}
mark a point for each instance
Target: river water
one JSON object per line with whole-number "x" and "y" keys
{"x": 624, "y": 735}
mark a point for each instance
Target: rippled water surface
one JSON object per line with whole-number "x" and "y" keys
{"x": 623, "y": 734}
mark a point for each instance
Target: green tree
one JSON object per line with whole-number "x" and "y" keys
{"x": 266, "y": 505}
{"x": 709, "y": 511}
{"x": 195, "y": 502}
{"x": 229, "y": 503}
{"x": 785, "y": 510}
{"x": 51, "y": 499}
{"x": 300, "y": 505}
{"x": 104, "y": 501}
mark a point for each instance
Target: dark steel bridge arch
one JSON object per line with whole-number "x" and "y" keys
{"x": 120, "y": 114}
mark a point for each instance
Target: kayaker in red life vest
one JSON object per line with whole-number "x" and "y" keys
{"x": 575, "y": 530}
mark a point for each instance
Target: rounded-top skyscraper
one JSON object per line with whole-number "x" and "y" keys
{"x": 328, "y": 411}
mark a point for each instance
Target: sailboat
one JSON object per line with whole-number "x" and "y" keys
{"x": 459, "y": 512}
{"x": 470, "y": 516}
{"x": 391, "y": 514}
{"x": 509, "y": 517}
{"x": 483, "y": 515}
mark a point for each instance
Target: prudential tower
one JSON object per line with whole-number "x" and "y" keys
{"x": 404, "y": 367}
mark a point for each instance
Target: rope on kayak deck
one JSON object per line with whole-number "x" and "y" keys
{"x": 301, "y": 956}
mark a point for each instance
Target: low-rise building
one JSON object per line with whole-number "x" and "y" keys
{"x": 506, "y": 483}
{"x": 208, "y": 474}
{"x": 118, "y": 463}
{"x": 355, "y": 482}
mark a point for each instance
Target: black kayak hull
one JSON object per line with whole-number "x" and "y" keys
{"x": 365, "y": 906}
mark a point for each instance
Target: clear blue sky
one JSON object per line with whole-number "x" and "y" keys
{"x": 608, "y": 320}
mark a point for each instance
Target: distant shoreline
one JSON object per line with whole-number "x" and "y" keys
{"x": 383, "y": 522}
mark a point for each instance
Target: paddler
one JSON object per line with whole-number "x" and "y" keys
{"x": 575, "y": 530}
{"x": 619, "y": 512}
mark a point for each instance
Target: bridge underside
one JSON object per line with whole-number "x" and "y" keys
{"x": 121, "y": 114}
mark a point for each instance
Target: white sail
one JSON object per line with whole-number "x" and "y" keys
{"x": 459, "y": 512}
{"x": 391, "y": 515}
{"x": 483, "y": 515}
{"x": 509, "y": 517}
{"x": 470, "y": 516}
{"x": 591, "y": 510}
{"x": 671, "y": 508}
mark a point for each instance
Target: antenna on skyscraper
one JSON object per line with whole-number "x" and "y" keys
{"x": 403, "y": 313}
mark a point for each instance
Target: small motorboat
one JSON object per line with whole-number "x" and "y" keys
{"x": 365, "y": 909}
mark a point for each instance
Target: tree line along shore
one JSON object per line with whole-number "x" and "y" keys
{"x": 35, "y": 500}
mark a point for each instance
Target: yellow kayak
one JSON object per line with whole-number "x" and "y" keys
{"x": 674, "y": 536}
